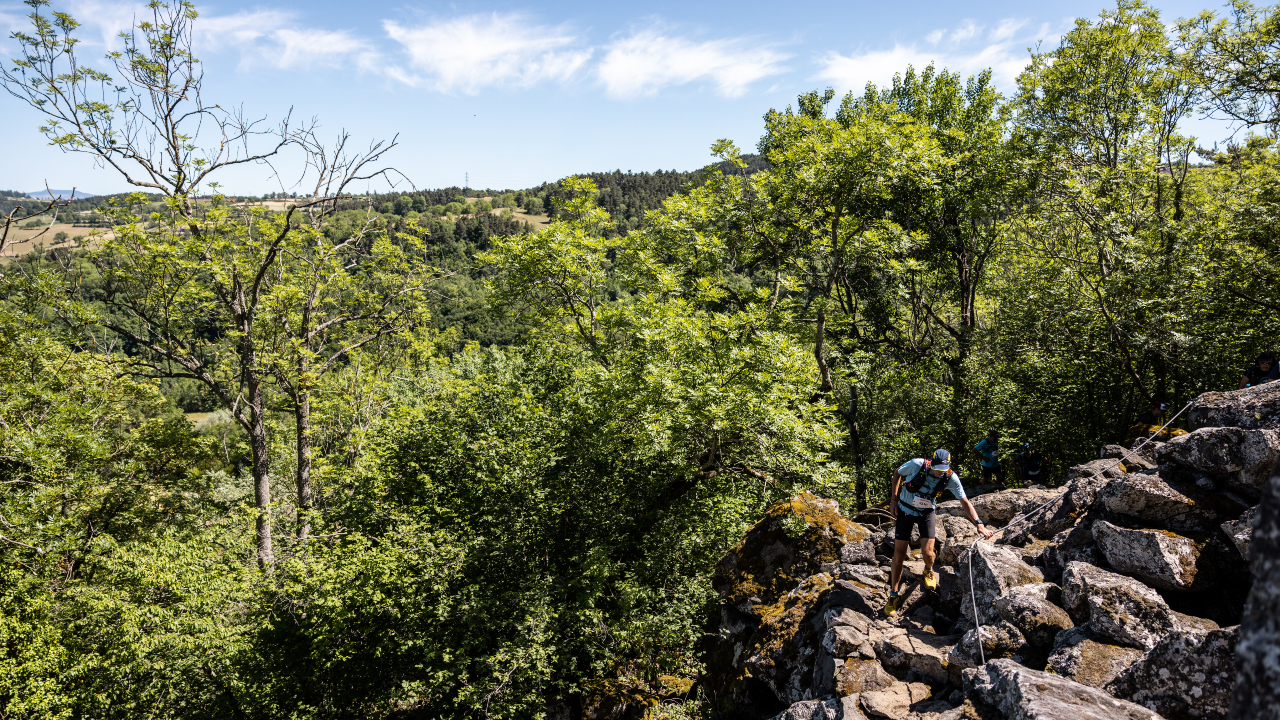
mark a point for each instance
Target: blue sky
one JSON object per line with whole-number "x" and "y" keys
{"x": 516, "y": 93}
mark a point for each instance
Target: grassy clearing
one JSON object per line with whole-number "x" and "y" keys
{"x": 23, "y": 241}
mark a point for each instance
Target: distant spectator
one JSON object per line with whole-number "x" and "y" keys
{"x": 1264, "y": 370}
{"x": 1031, "y": 462}
{"x": 1152, "y": 416}
{"x": 989, "y": 449}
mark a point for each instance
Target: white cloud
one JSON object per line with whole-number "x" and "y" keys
{"x": 648, "y": 61}
{"x": 965, "y": 50}
{"x": 275, "y": 38}
{"x": 470, "y": 53}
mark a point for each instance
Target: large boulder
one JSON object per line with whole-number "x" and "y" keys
{"x": 1251, "y": 408}
{"x": 1116, "y": 607}
{"x": 996, "y": 570}
{"x": 1145, "y": 497}
{"x": 1036, "y": 618}
{"x": 1159, "y": 557}
{"x": 1187, "y": 674}
{"x": 1080, "y": 655}
{"x": 999, "y": 640}
{"x": 1075, "y": 544}
{"x": 998, "y": 508}
{"x": 1257, "y": 692}
{"x": 772, "y": 558}
{"x": 1020, "y": 693}
{"x": 960, "y": 532}
{"x": 1062, "y": 513}
{"x": 859, "y": 676}
{"x": 894, "y": 702}
{"x": 1241, "y": 458}
{"x": 1103, "y": 468}
{"x": 1240, "y": 531}
{"x": 762, "y": 657}
{"x": 914, "y": 650}
{"x": 862, "y": 552}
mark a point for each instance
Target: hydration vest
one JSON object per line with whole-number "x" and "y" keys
{"x": 917, "y": 482}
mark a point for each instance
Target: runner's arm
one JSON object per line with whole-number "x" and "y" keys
{"x": 893, "y": 496}
{"x": 972, "y": 512}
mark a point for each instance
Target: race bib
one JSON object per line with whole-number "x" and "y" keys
{"x": 922, "y": 502}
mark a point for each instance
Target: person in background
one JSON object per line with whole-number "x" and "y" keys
{"x": 916, "y": 486}
{"x": 989, "y": 450}
{"x": 1152, "y": 415}
{"x": 1030, "y": 461}
{"x": 1264, "y": 370}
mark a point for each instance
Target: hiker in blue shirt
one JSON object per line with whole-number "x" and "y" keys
{"x": 989, "y": 449}
{"x": 916, "y": 485}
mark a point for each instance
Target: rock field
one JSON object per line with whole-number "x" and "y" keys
{"x": 1121, "y": 598}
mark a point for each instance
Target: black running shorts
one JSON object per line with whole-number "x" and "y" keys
{"x": 928, "y": 523}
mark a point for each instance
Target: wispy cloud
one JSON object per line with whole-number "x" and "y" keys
{"x": 470, "y": 53}
{"x": 275, "y": 38}
{"x": 649, "y": 60}
{"x": 967, "y": 49}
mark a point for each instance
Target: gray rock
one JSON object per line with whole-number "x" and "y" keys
{"x": 1133, "y": 461}
{"x": 1242, "y": 458}
{"x": 1096, "y": 469}
{"x": 843, "y": 641}
{"x": 1191, "y": 623}
{"x": 870, "y": 575}
{"x": 1061, "y": 514}
{"x": 1240, "y": 531}
{"x": 1075, "y": 544}
{"x": 858, "y": 676}
{"x": 995, "y": 571}
{"x": 1037, "y": 619}
{"x": 1116, "y": 607}
{"x": 1144, "y": 497}
{"x": 1257, "y": 692}
{"x": 959, "y": 532}
{"x": 1187, "y": 674}
{"x": 925, "y": 653}
{"x": 998, "y": 508}
{"x": 894, "y": 702}
{"x": 1045, "y": 591}
{"x": 1081, "y": 656}
{"x": 1251, "y": 408}
{"x": 858, "y": 552}
{"x": 828, "y": 709}
{"x": 1020, "y": 693}
{"x": 1159, "y": 557}
{"x": 1000, "y": 640}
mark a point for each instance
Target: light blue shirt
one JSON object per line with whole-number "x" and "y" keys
{"x": 914, "y": 504}
{"x": 990, "y": 453}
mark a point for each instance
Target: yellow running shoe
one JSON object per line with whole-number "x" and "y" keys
{"x": 891, "y": 607}
{"x": 931, "y": 580}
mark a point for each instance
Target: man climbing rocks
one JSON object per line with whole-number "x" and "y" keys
{"x": 916, "y": 486}
{"x": 1152, "y": 415}
{"x": 1030, "y": 461}
{"x": 989, "y": 450}
{"x": 1264, "y": 370}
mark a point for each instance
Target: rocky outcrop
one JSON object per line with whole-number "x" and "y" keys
{"x": 1187, "y": 674}
{"x": 1088, "y": 659}
{"x": 996, "y": 570}
{"x": 1020, "y": 693}
{"x": 1252, "y": 408}
{"x": 1257, "y": 690}
{"x": 1162, "y": 558}
{"x": 1116, "y": 607}
{"x": 1241, "y": 459}
{"x": 1035, "y": 617}
{"x": 997, "y": 509}
{"x": 1149, "y": 556}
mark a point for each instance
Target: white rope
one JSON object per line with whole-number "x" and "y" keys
{"x": 973, "y": 598}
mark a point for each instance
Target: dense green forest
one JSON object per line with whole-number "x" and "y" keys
{"x": 377, "y": 456}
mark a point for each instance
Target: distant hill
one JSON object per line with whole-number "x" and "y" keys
{"x": 64, "y": 194}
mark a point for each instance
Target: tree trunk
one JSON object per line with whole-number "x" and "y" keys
{"x": 819, "y": 353}
{"x": 855, "y": 448}
{"x": 261, "y": 471}
{"x": 302, "y": 417}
